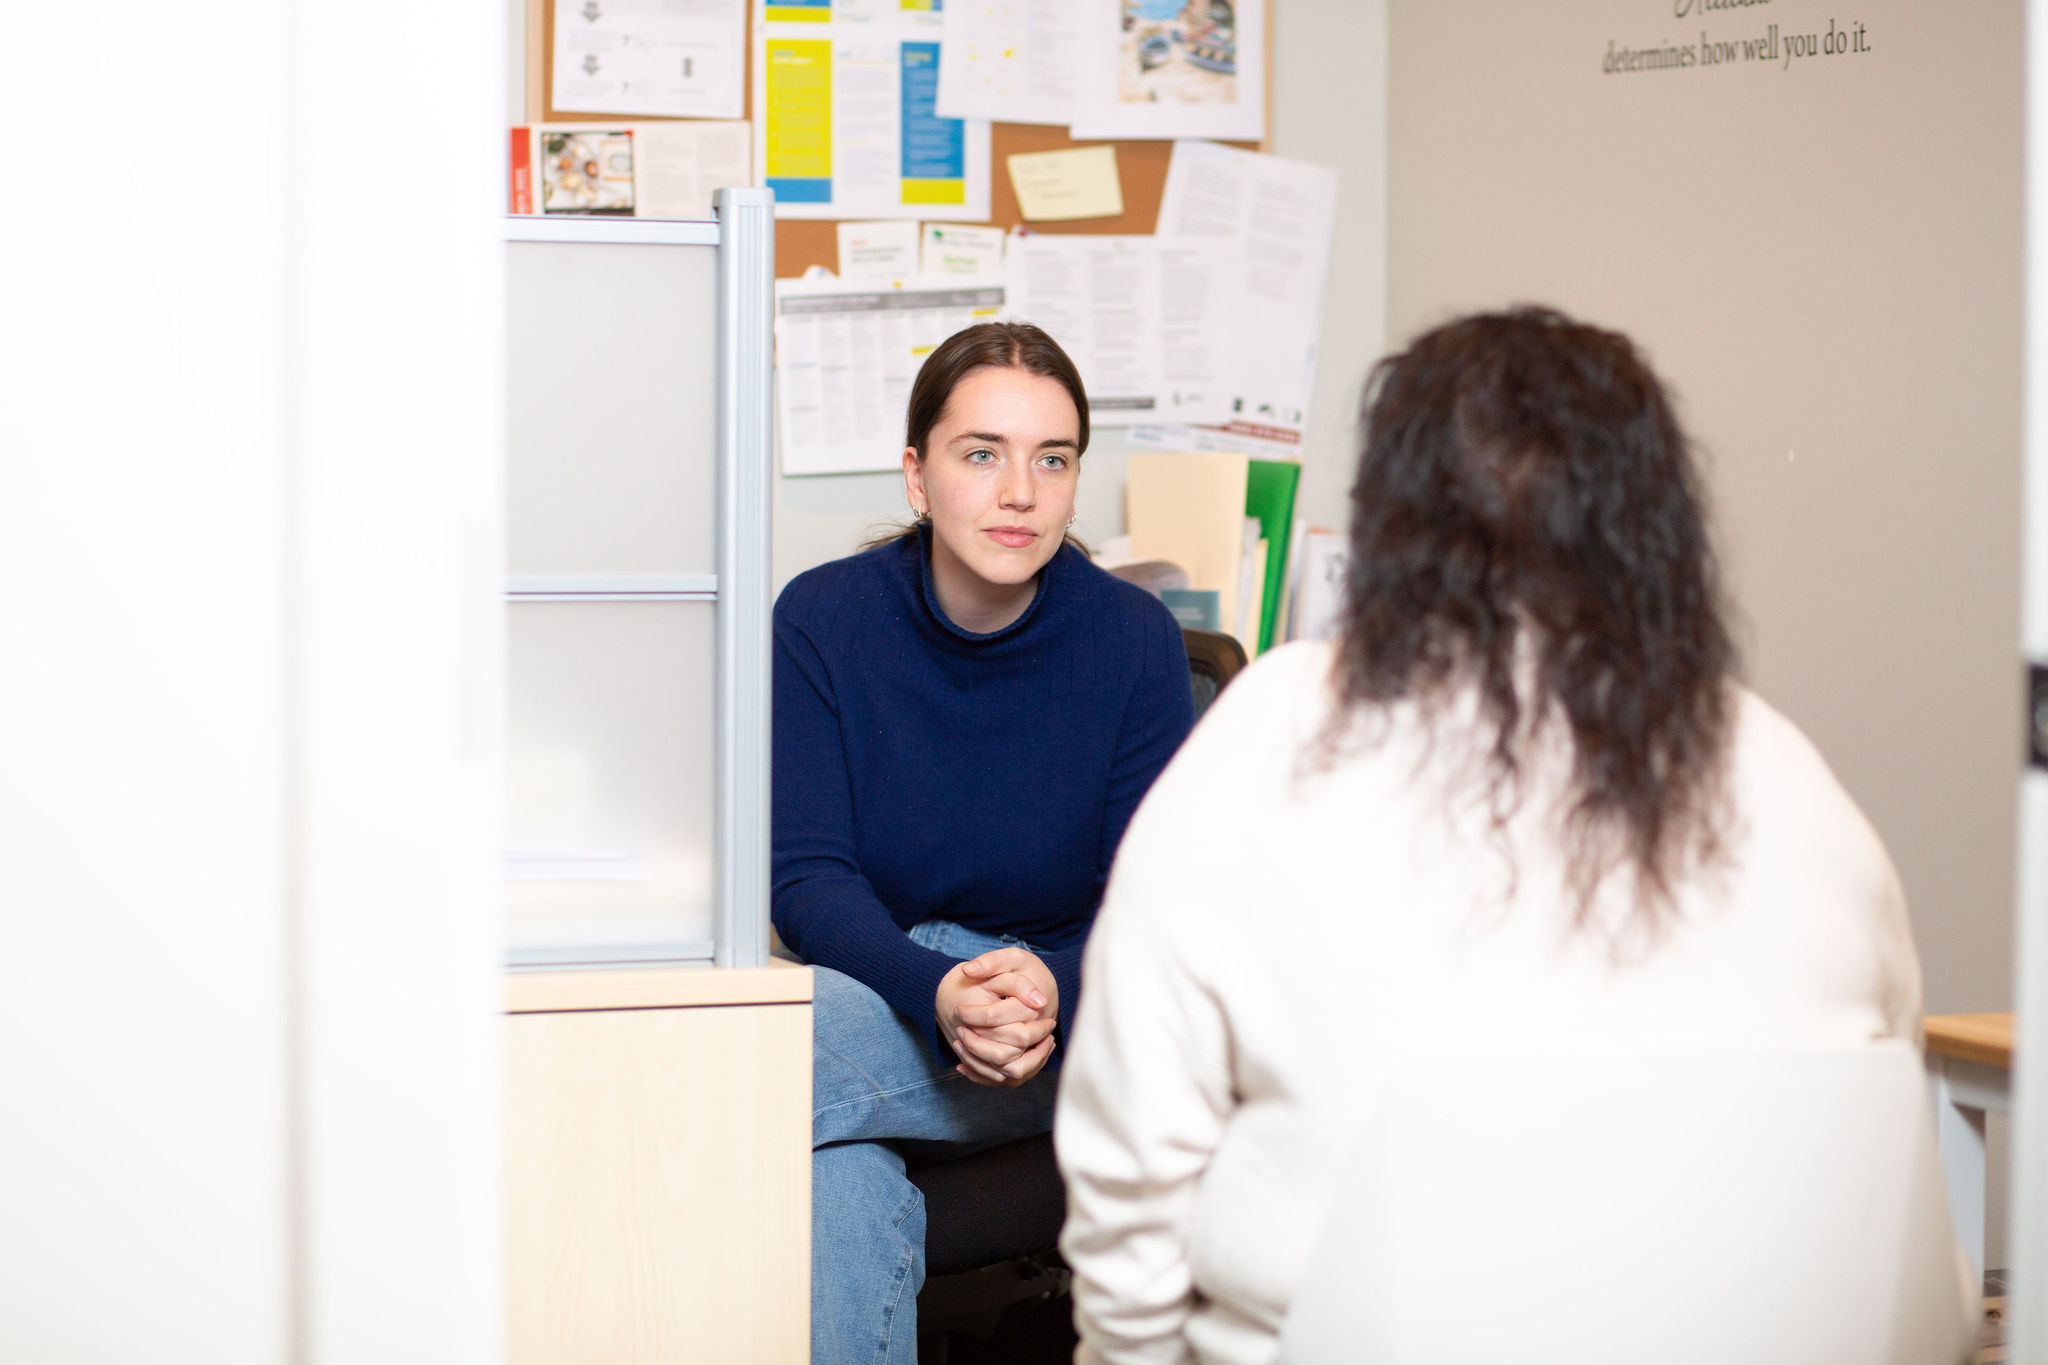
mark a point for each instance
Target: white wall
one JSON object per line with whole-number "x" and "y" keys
{"x": 247, "y": 682}
{"x": 1330, "y": 109}
{"x": 145, "y": 1156}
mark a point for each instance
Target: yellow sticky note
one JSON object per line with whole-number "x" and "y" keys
{"x": 1059, "y": 186}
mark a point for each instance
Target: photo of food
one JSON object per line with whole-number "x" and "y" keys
{"x": 1178, "y": 52}
{"x": 587, "y": 172}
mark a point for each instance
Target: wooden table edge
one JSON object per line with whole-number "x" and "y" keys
{"x": 641, "y": 988}
{"x": 1982, "y": 1038}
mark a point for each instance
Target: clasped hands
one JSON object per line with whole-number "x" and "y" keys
{"x": 999, "y": 1011}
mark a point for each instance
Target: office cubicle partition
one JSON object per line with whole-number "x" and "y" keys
{"x": 638, "y": 543}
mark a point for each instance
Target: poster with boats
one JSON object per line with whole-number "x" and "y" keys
{"x": 1177, "y": 68}
{"x": 1178, "y": 51}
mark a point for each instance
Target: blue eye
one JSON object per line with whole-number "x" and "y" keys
{"x": 1053, "y": 461}
{"x": 981, "y": 456}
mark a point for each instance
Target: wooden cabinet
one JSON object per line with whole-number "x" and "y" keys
{"x": 659, "y": 1165}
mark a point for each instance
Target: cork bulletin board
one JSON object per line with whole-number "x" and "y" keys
{"x": 802, "y": 243}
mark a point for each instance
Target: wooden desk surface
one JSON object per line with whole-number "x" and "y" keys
{"x": 1985, "y": 1038}
{"x": 642, "y": 988}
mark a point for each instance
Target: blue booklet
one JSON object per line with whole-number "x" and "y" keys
{"x": 1197, "y": 608}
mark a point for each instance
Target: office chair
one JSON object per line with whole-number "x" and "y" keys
{"x": 992, "y": 1220}
{"x": 1213, "y": 660}
{"x": 1688, "y": 1208}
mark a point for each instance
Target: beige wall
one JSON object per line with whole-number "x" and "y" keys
{"x": 1824, "y": 262}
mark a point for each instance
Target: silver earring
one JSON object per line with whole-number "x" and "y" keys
{"x": 1072, "y": 519}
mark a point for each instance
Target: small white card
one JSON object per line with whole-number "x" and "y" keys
{"x": 951, "y": 249}
{"x": 885, "y": 250}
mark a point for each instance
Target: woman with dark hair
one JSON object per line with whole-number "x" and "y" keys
{"x": 1523, "y": 798}
{"x": 965, "y": 717}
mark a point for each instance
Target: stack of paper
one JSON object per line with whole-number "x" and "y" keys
{"x": 1229, "y": 521}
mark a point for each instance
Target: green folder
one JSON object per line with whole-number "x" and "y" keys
{"x": 1269, "y": 496}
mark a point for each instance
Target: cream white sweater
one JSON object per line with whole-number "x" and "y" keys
{"x": 1276, "y": 936}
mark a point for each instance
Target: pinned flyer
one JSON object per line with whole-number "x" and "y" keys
{"x": 665, "y": 169}
{"x": 1143, "y": 318}
{"x": 953, "y": 249}
{"x": 885, "y": 250}
{"x": 846, "y": 352}
{"x": 650, "y": 57}
{"x": 1169, "y": 68}
{"x": 1011, "y": 62}
{"x": 1277, "y": 216}
{"x": 848, "y": 125}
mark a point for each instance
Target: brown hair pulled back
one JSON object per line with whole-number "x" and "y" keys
{"x": 1016, "y": 345}
{"x": 1011, "y": 345}
{"x": 1525, "y": 488}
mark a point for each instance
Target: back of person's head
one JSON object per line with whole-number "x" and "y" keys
{"x": 1527, "y": 519}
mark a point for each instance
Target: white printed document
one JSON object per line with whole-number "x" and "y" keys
{"x": 1277, "y": 217}
{"x": 1143, "y": 318}
{"x": 1013, "y": 61}
{"x": 678, "y": 167}
{"x": 848, "y": 129}
{"x": 665, "y": 58}
{"x": 845, "y": 356}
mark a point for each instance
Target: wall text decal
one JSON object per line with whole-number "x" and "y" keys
{"x": 1770, "y": 46}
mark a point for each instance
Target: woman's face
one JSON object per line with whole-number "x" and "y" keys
{"x": 998, "y": 481}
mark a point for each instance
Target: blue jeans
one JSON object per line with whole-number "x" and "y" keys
{"x": 876, "y": 1084}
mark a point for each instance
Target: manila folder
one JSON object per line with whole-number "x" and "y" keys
{"x": 1187, "y": 508}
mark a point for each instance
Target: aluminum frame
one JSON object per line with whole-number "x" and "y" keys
{"x": 595, "y": 587}
{"x": 744, "y": 236}
{"x": 746, "y": 355}
{"x": 679, "y": 953}
{"x": 526, "y": 227}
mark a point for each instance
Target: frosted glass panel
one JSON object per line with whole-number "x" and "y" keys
{"x": 609, "y": 769}
{"x": 613, "y": 408}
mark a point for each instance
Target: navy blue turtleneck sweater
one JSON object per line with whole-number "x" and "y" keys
{"x": 924, "y": 771}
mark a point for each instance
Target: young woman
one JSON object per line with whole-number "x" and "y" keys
{"x": 965, "y": 718}
{"x": 1522, "y": 804}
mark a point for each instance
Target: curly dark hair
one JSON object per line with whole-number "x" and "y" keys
{"x": 1525, "y": 492}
